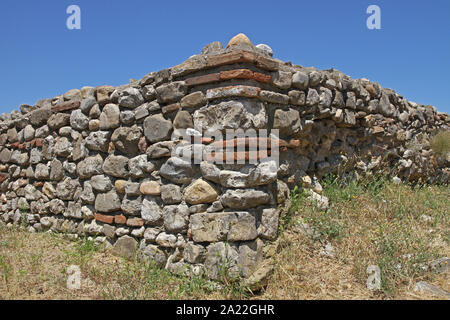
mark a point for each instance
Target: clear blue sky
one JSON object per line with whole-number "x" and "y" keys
{"x": 119, "y": 40}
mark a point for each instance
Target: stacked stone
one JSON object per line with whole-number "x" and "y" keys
{"x": 100, "y": 161}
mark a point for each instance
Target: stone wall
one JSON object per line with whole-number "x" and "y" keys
{"x": 102, "y": 162}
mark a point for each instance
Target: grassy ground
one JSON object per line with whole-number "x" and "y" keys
{"x": 372, "y": 222}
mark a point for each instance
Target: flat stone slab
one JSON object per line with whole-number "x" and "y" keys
{"x": 221, "y": 226}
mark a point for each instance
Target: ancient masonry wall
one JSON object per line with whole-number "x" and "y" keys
{"x": 99, "y": 161}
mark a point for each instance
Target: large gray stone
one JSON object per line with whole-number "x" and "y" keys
{"x": 42, "y": 132}
{"x": 176, "y": 218}
{"x": 312, "y": 98}
{"x": 231, "y": 115}
{"x": 166, "y": 240}
{"x": 160, "y": 149}
{"x": 56, "y": 170}
{"x": 40, "y": 116}
{"x": 244, "y": 198}
{"x": 73, "y": 210}
{"x": 87, "y": 195}
{"x": 151, "y": 212}
{"x": 149, "y": 93}
{"x": 153, "y": 254}
{"x": 31, "y": 193}
{"x": 49, "y": 190}
{"x": 95, "y": 112}
{"x": 79, "y": 149}
{"x": 288, "y": 122}
{"x": 300, "y": 80}
{"x": 62, "y": 147}
{"x": 90, "y": 166}
{"x": 326, "y": 97}
{"x": 78, "y": 120}
{"x": 139, "y": 166}
{"x": 131, "y": 98}
{"x": 65, "y": 190}
{"x": 194, "y": 253}
{"x": 195, "y": 99}
{"x": 221, "y": 226}
{"x": 42, "y": 172}
{"x": 150, "y": 234}
{"x": 265, "y": 48}
{"x": 250, "y": 257}
{"x": 233, "y": 179}
{"x": 47, "y": 148}
{"x": 101, "y": 183}
{"x": 87, "y": 104}
{"x": 171, "y": 193}
{"x": 116, "y": 166}
{"x": 131, "y": 207}
{"x": 314, "y": 78}
{"x": 19, "y": 158}
{"x": 98, "y": 141}
{"x": 385, "y": 107}
{"x": 282, "y": 79}
{"x": 210, "y": 171}
{"x": 264, "y": 173}
{"x": 110, "y": 117}
{"x": 139, "y": 113}
{"x": 171, "y": 92}
{"x": 127, "y": 117}
{"x": 273, "y": 97}
{"x": 221, "y": 261}
{"x": 183, "y": 120}
{"x": 12, "y": 135}
{"x": 5, "y": 155}
{"x": 156, "y": 128}
{"x": 107, "y": 202}
{"x": 125, "y": 247}
{"x": 132, "y": 189}
{"x": 56, "y": 206}
{"x": 178, "y": 170}
{"x": 425, "y": 287}
{"x": 268, "y": 229}
{"x": 73, "y": 94}
{"x": 28, "y": 133}
{"x": 126, "y": 139}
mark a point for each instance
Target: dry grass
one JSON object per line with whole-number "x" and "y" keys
{"x": 440, "y": 143}
{"x": 33, "y": 267}
{"x": 396, "y": 227}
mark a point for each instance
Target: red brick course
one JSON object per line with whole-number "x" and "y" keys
{"x": 26, "y": 145}
{"x": 229, "y": 58}
{"x": 238, "y": 156}
{"x": 229, "y": 75}
{"x": 104, "y": 218}
{"x": 260, "y": 77}
{"x": 65, "y": 106}
{"x": 236, "y": 74}
{"x": 120, "y": 219}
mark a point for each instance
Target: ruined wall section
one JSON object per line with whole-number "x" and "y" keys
{"x": 100, "y": 162}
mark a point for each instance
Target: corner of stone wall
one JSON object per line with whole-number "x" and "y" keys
{"x": 106, "y": 163}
